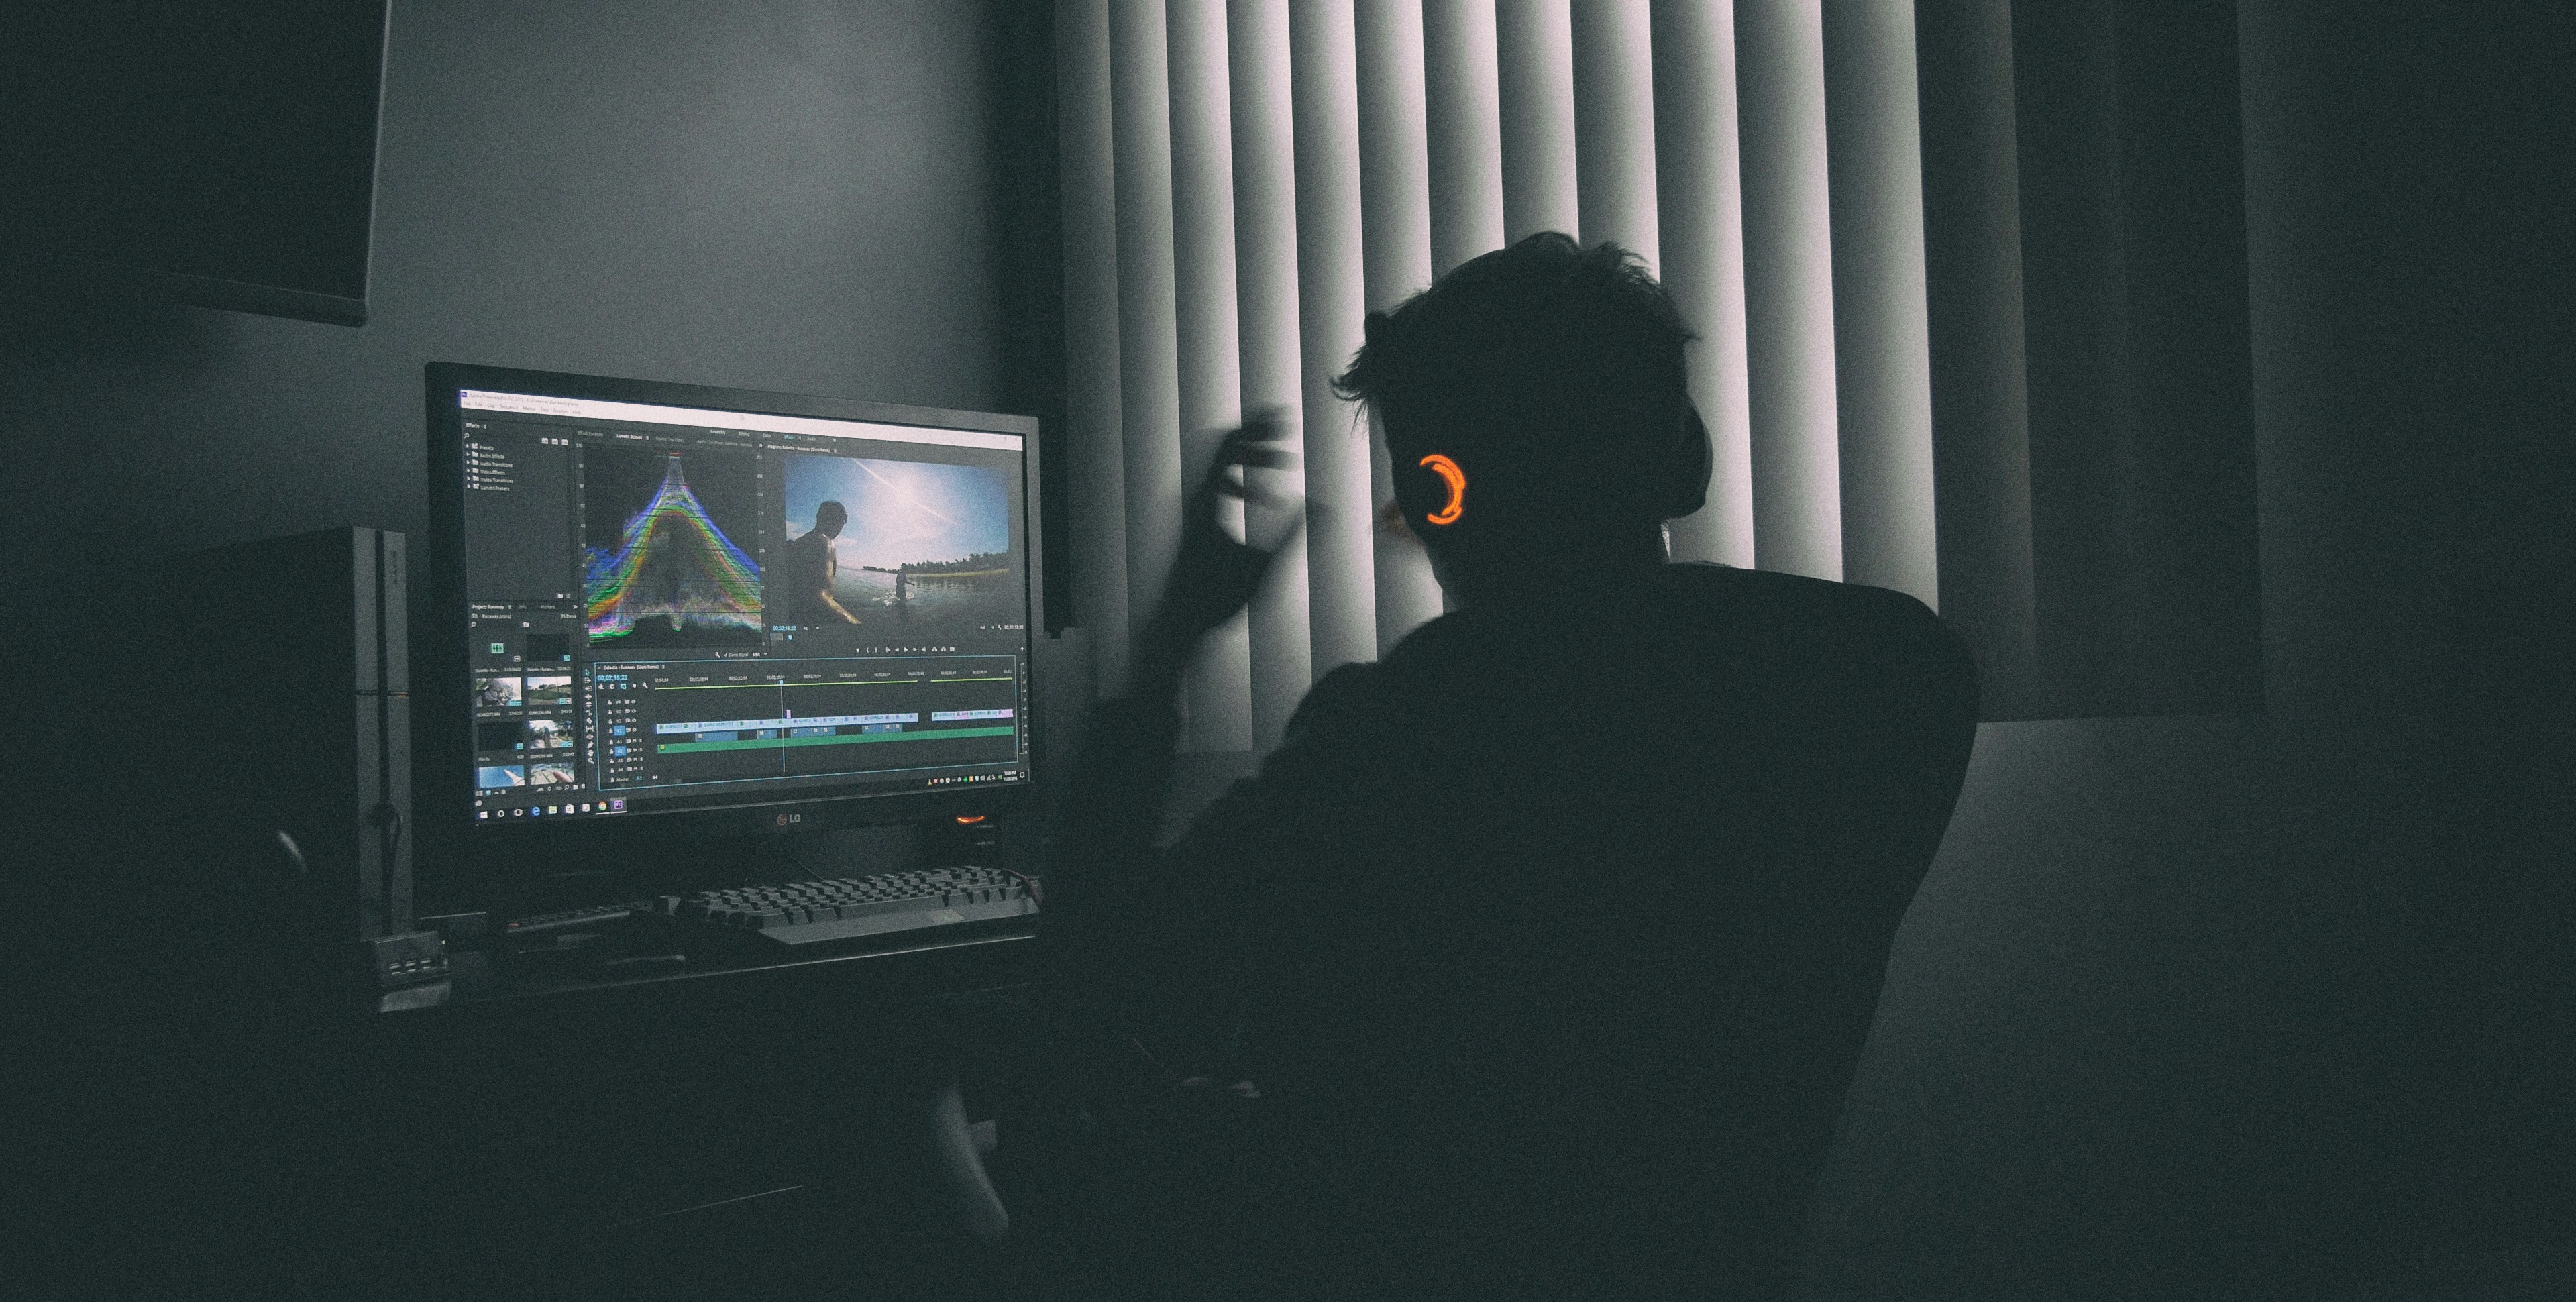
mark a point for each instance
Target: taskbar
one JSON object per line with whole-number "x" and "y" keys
{"x": 585, "y": 804}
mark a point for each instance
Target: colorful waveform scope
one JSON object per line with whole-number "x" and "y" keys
{"x": 671, "y": 562}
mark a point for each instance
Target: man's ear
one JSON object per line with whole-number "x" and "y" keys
{"x": 1693, "y": 460}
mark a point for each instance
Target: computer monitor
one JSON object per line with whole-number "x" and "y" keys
{"x": 716, "y": 612}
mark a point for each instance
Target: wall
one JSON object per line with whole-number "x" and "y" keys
{"x": 2229, "y": 1008}
{"x": 782, "y": 196}
{"x": 794, "y": 195}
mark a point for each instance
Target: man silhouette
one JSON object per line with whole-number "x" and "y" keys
{"x": 803, "y": 574}
{"x": 1548, "y": 943}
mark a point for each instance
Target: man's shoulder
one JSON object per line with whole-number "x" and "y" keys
{"x": 1676, "y": 599}
{"x": 1748, "y": 592}
{"x": 1343, "y": 695}
{"x": 1683, "y": 621}
{"x": 1758, "y": 602}
{"x": 1824, "y": 624}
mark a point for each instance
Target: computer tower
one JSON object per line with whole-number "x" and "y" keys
{"x": 297, "y": 657}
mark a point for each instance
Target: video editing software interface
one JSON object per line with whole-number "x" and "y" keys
{"x": 672, "y": 608}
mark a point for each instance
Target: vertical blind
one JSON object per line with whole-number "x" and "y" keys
{"x": 1244, "y": 181}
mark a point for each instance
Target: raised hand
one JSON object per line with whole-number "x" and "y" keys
{"x": 1213, "y": 574}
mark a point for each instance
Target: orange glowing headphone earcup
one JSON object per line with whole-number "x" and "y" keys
{"x": 1455, "y": 480}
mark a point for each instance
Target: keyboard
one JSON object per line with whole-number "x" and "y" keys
{"x": 851, "y": 908}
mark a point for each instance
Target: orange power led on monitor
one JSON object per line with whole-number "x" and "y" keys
{"x": 1456, "y": 479}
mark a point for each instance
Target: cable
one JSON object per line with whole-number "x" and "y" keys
{"x": 1149, "y": 1056}
{"x": 1029, "y": 884}
{"x": 294, "y": 853}
{"x": 806, "y": 868}
{"x": 393, "y": 817}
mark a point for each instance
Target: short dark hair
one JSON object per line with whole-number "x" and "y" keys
{"x": 831, "y": 515}
{"x": 1554, "y": 373}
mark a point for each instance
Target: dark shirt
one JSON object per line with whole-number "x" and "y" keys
{"x": 799, "y": 576}
{"x": 1565, "y": 925}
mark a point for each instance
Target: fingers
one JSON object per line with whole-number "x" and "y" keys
{"x": 1264, "y": 423}
{"x": 1235, "y": 484}
{"x": 1260, "y": 443}
{"x": 1263, "y": 497}
{"x": 1271, "y": 509}
{"x": 1262, "y": 440}
{"x": 1267, "y": 454}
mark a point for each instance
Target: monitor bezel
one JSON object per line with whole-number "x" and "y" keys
{"x": 441, "y": 658}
